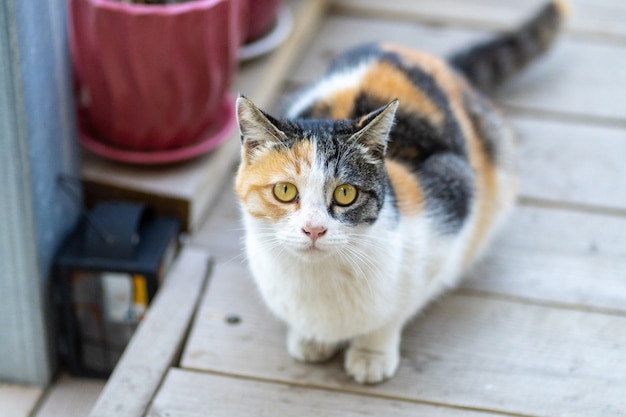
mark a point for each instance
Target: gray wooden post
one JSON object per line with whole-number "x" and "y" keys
{"x": 37, "y": 142}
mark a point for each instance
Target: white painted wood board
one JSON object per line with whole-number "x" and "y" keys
{"x": 556, "y": 257}
{"x": 193, "y": 394}
{"x": 18, "y": 400}
{"x": 70, "y": 396}
{"x": 587, "y": 17}
{"x": 574, "y": 163}
{"x": 195, "y": 184}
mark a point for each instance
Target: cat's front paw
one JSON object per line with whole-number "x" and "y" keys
{"x": 371, "y": 366}
{"x": 310, "y": 350}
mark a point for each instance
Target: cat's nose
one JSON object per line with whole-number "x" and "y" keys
{"x": 314, "y": 232}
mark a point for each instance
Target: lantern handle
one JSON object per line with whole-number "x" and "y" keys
{"x": 65, "y": 182}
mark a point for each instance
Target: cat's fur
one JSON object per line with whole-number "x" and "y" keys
{"x": 434, "y": 167}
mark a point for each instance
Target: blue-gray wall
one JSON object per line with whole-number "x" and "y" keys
{"x": 37, "y": 143}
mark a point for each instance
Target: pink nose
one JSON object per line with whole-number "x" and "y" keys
{"x": 314, "y": 232}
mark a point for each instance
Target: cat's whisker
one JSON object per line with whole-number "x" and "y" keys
{"x": 241, "y": 258}
{"x": 354, "y": 265}
{"x": 360, "y": 256}
{"x": 367, "y": 261}
{"x": 369, "y": 242}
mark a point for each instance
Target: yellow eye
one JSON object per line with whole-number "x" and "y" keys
{"x": 285, "y": 192}
{"x": 345, "y": 194}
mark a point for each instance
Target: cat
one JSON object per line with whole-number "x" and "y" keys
{"x": 377, "y": 188}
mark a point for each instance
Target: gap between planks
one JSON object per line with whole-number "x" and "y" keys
{"x": 544, "y": 203}
{"x": 518, "y": 299}
{"x": 347, "y": 390}
{"x": 561, "y": 116}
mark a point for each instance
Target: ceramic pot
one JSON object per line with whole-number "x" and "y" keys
{"x": 260, "y": 18}
{"x": 152, "y": 78}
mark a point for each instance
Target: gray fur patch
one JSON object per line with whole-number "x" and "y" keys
{"x": 448, "y": 182}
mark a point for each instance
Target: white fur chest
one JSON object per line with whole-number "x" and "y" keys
{"x": 331, "y": 300}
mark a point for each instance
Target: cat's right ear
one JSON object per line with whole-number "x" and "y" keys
{"x": 257, "y": 130}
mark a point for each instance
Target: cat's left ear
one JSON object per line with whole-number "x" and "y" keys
{"x": 258, "y": 130}
{"x": 374, "y": 128}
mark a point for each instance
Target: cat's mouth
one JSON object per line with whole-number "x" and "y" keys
{"x": 312, "y": 252}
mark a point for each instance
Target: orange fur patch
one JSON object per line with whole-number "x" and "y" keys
{"x": 254, "y": 182}
{"x": 385, "y": 81}
{"x": 433, "y": 65}
{"x": 409, "y": 196}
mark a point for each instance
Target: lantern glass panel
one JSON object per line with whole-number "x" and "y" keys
{"x": 108, "y": 306}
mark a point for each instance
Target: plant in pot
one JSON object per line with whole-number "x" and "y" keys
{"x": 152, "y": 79}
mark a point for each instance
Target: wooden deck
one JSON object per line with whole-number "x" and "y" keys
{"x": 538, "y": 327}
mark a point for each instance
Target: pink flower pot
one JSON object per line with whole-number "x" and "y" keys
{"x": 261, "y": 17}
{"x": 152, "y": 78}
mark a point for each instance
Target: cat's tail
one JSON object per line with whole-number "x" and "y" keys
{"x": 489, "y": 63}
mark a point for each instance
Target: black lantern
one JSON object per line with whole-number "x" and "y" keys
{"x": 105, "y": 275}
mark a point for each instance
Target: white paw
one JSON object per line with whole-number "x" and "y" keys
{"x": 369, "y": 366}
{"x": 310, "y": 350}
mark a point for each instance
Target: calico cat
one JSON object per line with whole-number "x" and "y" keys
{"x": 378, "y": 187}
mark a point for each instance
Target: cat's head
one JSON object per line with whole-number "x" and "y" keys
{"x": 311, "y": 187}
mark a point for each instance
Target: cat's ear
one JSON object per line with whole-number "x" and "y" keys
{"x": 257, "y": 129}
{"x": 373, "y": 129}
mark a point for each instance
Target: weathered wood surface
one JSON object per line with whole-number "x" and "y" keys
{"x": 557, "y": 257}
{"x": 192, "y": 394}
{"x": 184, "y": 190}
{"x": 157, "y": 341}
{"x": 536, "y": 328}
{"x": 587, "y": 17}
{"x": 475, "y": 352}
{"x": 17, "y": 400}
{"x": 70, "y": 397}
{"x": 572, "y": 163}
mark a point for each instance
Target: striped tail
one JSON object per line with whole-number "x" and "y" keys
{"x": 489, "y": 63}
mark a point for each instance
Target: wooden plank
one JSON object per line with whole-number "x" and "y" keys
{"x": 192, "y": 394}
{"x": 571, "y": 162}
{"x": 466, "y": 351}
{"x": 222, "y": 233}
{"x": 603, "y": 18}
{"x": 559, "y": 257}
{"x": 338, "y": 33}
{"x": 157, "y": 341}
{"x": 70, "y": 397}
{"x": 571, "y": 80}
{"x": 184, "y": 190}
{"x": 18, "y": 400}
